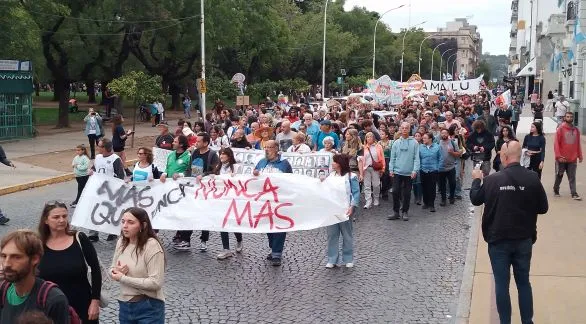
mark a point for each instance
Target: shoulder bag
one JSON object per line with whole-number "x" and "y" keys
{"x": 104, "y": 298}
{"x": 376, "y": 165}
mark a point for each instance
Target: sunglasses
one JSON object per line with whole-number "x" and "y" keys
{"x": 56, "y": 203}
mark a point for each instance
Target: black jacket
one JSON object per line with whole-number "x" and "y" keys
{"x": 512, "y": 200}
{"x": 484, "y": 139}
{"x": 3, "y": 158}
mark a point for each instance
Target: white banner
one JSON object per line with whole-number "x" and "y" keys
{"x": 160, "y": 158}
{"x": 264, "y": 204}
{"x": 471, "y": 86}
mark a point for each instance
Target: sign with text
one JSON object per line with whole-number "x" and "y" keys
{"x": 471, "y": 86}
{"x": 315, "y": 164}
{"x": 265, "y": 204}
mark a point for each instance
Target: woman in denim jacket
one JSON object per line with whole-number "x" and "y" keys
{"x": 341, "y": 166}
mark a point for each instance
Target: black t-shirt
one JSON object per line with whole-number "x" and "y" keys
{"x": 164, "y": 141}
{"x": 56, "y": 307}
{"x": 117, "y": 142}
{"x": 203, "y": 164}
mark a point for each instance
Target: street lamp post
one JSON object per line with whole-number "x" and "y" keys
{"x": 454, "y": 68}
{"x": 403, "y": 46}
{"x": 203, "y": 63}
{"x": 448, "y": 65}
{"x": 442, "y": 60}
{"x": 420, "y": 45}
{"x": 374, "y": 41}
{"x": 432, "y": 54}
{"x": 323, "y": 75}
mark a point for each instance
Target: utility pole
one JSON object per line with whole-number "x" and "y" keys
{"x": 203, "y": 87}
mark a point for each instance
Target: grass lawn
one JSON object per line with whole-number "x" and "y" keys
{"x": 48, "y": 116}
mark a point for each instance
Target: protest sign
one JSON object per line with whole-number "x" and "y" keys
{"x": 265, "y": 204}
{"x": 471, "y": 86}
{"x": 315, "y": 164}
{"x": 242, "y": 100}
{"x": 160, "y": 158}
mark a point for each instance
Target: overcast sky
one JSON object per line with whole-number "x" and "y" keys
{"x": 491, "y": 16}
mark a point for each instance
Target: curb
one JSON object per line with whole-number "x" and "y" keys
{"x": 465, "y": 295}
{"x": 45, "y": 182}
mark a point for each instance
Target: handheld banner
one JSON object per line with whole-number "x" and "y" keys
{"x": 265, "y": 204}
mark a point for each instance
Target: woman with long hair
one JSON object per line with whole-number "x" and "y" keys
{"x": 505, "y": 135}
{"x": 139, "y": 265}
{"x": 372, "y": 167}
{"x": 217, "y": 139}
{"x": 341, "y": 168}
{"x": 534, "y": 142}
{"x": 352, "y": 147}
{"x": 226, "y": 166}
{"x": 67, "y": 255}
{"x": 119, "y": 136}
{"x": 144, "y": 169}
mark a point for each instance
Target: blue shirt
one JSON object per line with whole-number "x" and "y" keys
{"x": 320, "y": 137}
{"x": 404, "y": 157}
{"x": 275, "y": 166}
{"x": 430, "y": 158}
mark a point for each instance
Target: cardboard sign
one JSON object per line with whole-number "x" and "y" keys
{"x": 242, "y": 100}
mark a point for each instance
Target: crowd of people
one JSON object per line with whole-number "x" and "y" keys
{"x": 413, "y": 150}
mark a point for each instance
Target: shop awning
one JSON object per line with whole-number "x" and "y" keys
{"x": 529, "y": 69}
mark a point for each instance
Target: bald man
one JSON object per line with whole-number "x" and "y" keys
{"x": 285, "y": 137}
{"x": 272, "y": 163}
{"x": 513, "y": 197}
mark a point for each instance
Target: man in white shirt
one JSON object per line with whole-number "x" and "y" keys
{"x": 561, "y": 108}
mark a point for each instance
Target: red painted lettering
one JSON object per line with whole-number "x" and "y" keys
{"x": 268, "y": 188}
{"x": 283, "y": 217}
{"x": 265, "y": 211}
{"x": 233, "y": 209}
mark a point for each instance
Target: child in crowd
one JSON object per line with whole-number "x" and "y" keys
{"x": 81, "y": 167}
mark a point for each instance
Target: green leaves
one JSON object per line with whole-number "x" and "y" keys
{"x": 138, "y": 87}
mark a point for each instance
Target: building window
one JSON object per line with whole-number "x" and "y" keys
{"x": 560, "y": 87}
{"x": 571, "y": 11}
{"x": 571, "y": 94}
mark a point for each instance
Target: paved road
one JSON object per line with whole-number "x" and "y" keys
{"x": 406, "y": 272}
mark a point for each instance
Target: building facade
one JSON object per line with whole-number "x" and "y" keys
{"x": 465, "y": 45}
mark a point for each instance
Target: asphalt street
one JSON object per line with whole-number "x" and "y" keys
{"x": 405, "y": 272}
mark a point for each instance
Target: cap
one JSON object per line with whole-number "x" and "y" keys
{"x": 163, "y": 125}
{"x": 326, "y": 122}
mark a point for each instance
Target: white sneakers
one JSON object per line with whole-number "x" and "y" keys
{"x": 376, "y": 203}
{"x": 239, "y": 247}
{"x": 225, "y": 254}
{"x": 368, "y": 205}
{"x": 348, "y": 265}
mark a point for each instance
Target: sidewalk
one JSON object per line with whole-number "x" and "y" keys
{"x": 47, "y": 159}
{"x": 558, "y": 269}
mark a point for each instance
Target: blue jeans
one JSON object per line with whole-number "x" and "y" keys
{"x": 347, "y": 242}
{"x": 504, "y": 254}
{"x": 187, "y": 112}
{"x": 276, "y": 243}
{"x": 147, "y": 311}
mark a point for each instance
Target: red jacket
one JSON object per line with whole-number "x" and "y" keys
{"x": 567, "y": 143}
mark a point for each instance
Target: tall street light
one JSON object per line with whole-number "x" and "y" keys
{"x": 448, "y": 65}
{"x": 454, "y": 68}
{"x": 203, "y": 63}
{"x": 323, "y": 75}
{"x": 442, "y": 60}
{"x": 432, "y": 53}
{"x": 374, "y": 42}
{"x": 420, "y": 45}
{"x": 403, "y": 46}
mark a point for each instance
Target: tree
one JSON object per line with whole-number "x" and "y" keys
{"x": 484, "y": 68}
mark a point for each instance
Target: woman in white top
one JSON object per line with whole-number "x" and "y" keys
{"x": 227, "y": 166}
{"x": 299, "y": 145}
{"x": 217, "y": 139}
{"x": 144, "y": 169}
{"x": 139, "y": 265}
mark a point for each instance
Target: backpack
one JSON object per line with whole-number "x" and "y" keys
{"x": 42, "y": 295}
